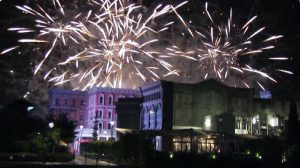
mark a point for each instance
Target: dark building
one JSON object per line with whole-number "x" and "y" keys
{"x": 209, "y": 115}
{"x": 128, "y": 111}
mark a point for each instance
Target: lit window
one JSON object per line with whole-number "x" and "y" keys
{"x": 121, "y": 96}
{"x": 207, "y": 122}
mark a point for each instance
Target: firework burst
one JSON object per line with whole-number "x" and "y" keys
{"x": 220, "y": 46}
{"x": 103, "y": 45}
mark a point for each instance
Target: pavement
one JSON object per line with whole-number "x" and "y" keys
{"x": 79, "y": 160}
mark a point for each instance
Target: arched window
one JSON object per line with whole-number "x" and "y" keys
{"x": 110, "y": 115}
{"x": 101, "y": 99}
{"x": 152, "y": 118}
{"x": 145, "y": 119}
{"x": 110, "y": 100}
{"x": 100, "y": 126}
{"x": 100, "y": 113}
{"x": 158, "y": 117}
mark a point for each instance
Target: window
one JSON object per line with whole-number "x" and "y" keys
{"x": 81, "y": 117}
{"x": 101, "y": 99}
{"x": 96, "y": 113}
{"x": 100, "y": 126}
{"x": 66, "y": 102}
{"x": 74, "y": 103}
{"x": 57, "y": 101}
{"x": 82, "y": 102}
{"x": 100, "y": 113}
{"x": 110, "y": 100}
{"x": 108, "y": 126}
{"x": 109, "y": 115}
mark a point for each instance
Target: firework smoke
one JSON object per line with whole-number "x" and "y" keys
{"x": 218, "y": 47}
{"x": 103, "y": 44}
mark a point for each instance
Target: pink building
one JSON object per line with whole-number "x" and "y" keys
{"x": 101, "y": 109}
{"x": 68, "y": 102}
{"x": 87, "y": 108}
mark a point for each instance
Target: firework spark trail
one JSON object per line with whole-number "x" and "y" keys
{"x": 113, "y": 41}
{"x": 223, "y": 44}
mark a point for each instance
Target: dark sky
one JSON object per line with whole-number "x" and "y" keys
{"x": 279, "y": 17}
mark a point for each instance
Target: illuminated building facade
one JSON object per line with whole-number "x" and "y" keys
{"x": 217, "y": 114}
{"x": 202, "y": 117}
{"x": 90, "y": 109}
{"x": 101, "y": 109}
{"x": 71, "y": 103}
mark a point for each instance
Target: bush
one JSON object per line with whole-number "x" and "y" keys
{"x": 130, "y": 149}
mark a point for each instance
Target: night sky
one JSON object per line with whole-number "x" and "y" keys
{"x": 278, "y": 16}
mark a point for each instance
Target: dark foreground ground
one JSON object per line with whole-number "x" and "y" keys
{"x": 60, "y": 166}
{"x": 94, "y": 166}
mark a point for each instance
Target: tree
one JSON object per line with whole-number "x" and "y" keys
{"x": 95, "y": 130}
{"x": 66, "y": 128}
{"x": 292, "y": 151}
{"x": 293, "y": 124}
{"x": 18, "y": 124}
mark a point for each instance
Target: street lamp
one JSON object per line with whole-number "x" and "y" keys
{"x": 51, "y": 125}
{"x": 111, "y": 129}
{"x": 80, "y": 138}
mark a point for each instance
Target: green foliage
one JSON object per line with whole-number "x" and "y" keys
{"x": 39, "y": 144}
{"x": 26, "y": 133}
{"x": 291, "y": 156}
{"x": 95, "y": 129}
{"x": 55, "y": 135}
{"x": 130, "y": 149}
{"x": 22, "y": 146}
{"x": 66, "y": 128}
{"x": 270, "y": 148}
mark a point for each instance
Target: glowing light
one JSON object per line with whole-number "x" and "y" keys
{"x": 171, "y": 155}
{"x": 103, "y": 45}
{"x": 272, "y": 120}
{"x": 51, "y": 125}
{"x": 30, "y": 108}
{"x": 223, "y": 44}
{"x": 207, "y": 122}
{"x": 258, "y": 156}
